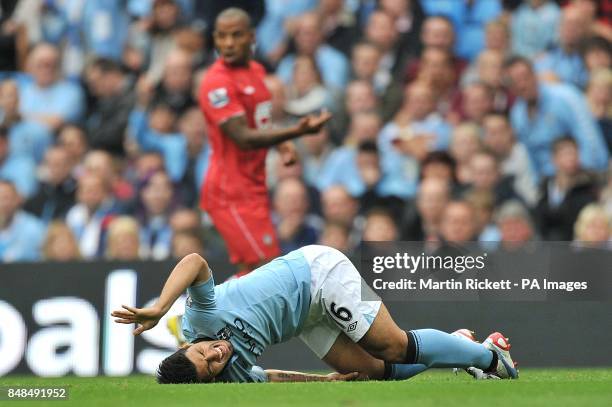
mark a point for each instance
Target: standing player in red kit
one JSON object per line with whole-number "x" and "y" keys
{"x": 237, "y": 108}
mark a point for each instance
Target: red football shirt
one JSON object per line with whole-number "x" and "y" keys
{"x": 234, "y": 175}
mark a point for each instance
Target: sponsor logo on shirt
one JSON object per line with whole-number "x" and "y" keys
{"x": 218, "y": 98}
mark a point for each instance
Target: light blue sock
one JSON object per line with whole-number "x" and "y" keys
{"x": 401, "y": 372}
{"x": 439, "y": 349}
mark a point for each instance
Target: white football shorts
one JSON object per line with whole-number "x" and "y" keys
{"x": 336, "y": 300}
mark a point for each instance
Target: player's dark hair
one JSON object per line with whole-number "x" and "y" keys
{"x": 177, "y": 368}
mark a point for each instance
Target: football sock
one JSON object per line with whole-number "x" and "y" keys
{"x": 434, "y": 348}
{"x": 396, "y": 371}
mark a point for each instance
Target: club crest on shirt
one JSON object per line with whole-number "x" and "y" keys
{"x": 218, "y": 97}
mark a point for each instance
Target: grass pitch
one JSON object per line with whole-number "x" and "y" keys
{"x": 536, "y": 387}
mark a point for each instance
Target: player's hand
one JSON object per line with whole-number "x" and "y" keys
{"x": 339, "y": 377}
{"x": 146, "y": 317}
{"x": 313, "y": 124}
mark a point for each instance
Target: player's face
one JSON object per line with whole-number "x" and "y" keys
{"x": 209, "y": 357}
{"x": 233, "y": 39}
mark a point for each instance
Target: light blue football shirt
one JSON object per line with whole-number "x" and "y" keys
{"x": 267, "y": 306}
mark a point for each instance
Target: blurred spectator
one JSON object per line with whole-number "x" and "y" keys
{"x": 306, "y": 93}
{"x": 359, "y": 97}
{"x": 114, "y": 99}
{"x": 497, "y": 37}
{"x": 271, "y": 33}
{"x": 184, "y": 243}
{"x": 25, "y": 137}
{"x": 483, "y": 202}
{"x": 341, "y": 166}
{"x": 597, "y": 19}
{"x": 337, "y": 236}
{"x": 56, "y": 192}
{"x": 338, "y": 24}
{"x": 193, "y": 128}
{"x": 486, "y": 177}
{"x": 564, "y": 63}
{"x": 47, "y": 98}
{"x": 340, "y": 207}
{"x": 151, "y": 39}
{"x": 379, "y": 226}
{"x": 123, "y": 242}
{"x": 422, "y": 217}
{"x": 294, "y": 227}
{"x": 593, "y": 227}
{"x": 13, "y": 38}
{"x": 308, "y": 38}
{"x": 534, "y": 27}
{"x": 436, "y": 70}
{"x": 597, "y": 54}
{"x": 365, "y": 61}
{"x": 564, "y": 195}
{"x": 314, "y": 152}
{"x": 381, "y": 31}
{"x": 74, "y": 140}
{"x": 371, "y": 173}
{"x": 416, "y": 130}
{"x": 21, "y": 234}
{"x": 465, "y": 142}
{"x": 90, "y": 216}
{"x": 60, "y": 244}
{"x": 100, "y": 162}
{"x": 279, "y": 98}
{"x": 469, "y": 19}
{"x": 488, "y": 70}
{"x": 599, "y": 97}
{"x": 544, "y": 112}
{"x": 20, "y": 169}
{"x": 183, "y": 220}
{"x": 408, "y": 16}
{"x": 175, "y": 86}
{"x": 512, "y": 155}
{"x": 156, "y": 205}
{"x": 439, "y": 165}
{"x": 514, "y": 224}
{"x": 458, "y": 224}
{"x": 476, "y": 102}
{"x": 156, "y": 131}
{"x": 437, "y": 33}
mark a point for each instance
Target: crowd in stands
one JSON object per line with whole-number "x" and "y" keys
{"x": 453, "y": 120}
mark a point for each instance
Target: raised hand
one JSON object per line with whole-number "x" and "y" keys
{"x": 313, "y": 124}
{"x": 146, "y": 317}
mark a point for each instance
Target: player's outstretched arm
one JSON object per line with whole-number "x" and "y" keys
{"x": 192, "y": 269}
{"x": 247, "y": 138}
{"x": 287, "y": 376}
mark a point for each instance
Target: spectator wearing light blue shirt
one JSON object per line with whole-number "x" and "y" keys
{"x": 469, "y": 19}
{"x": 564, "y": 63}
{"x": 332, "y": 63}
{"x": 153, "y": 131}
{"x": 47, "y": 98}
{"x": 19, "y": 169}
{"x": 416, "y": 130}
{"x": 340, "y": 168}
{"x": 21, "y": 234}
{"x": 271, "y": 33}
{"x": 26, "y": 138}
{"x": 534, "y": 27}
{"x": 545, "y": 112}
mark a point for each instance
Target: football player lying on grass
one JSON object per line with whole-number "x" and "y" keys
{"x": 313, "y": 293}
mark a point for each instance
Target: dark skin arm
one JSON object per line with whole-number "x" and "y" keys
{"x": 282, "y": 376}
{"x": 247, "y": 138}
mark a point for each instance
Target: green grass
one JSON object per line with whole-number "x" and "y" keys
{"x": 536, "y": 387}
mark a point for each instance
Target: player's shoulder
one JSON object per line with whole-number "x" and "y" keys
{"x": 217, "y": 73}
{"x": 257, "y": 67}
